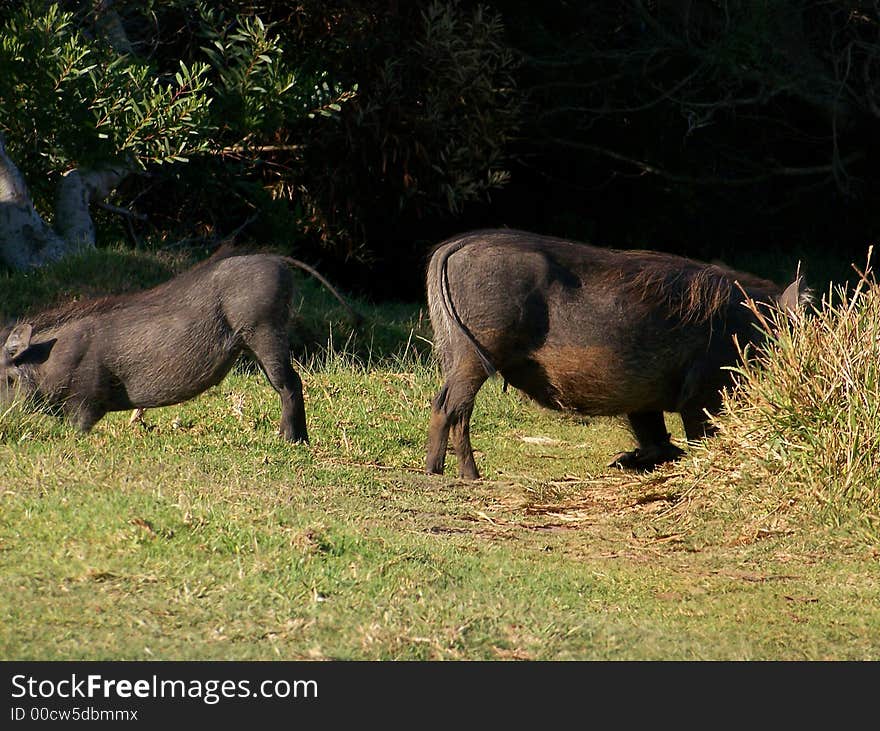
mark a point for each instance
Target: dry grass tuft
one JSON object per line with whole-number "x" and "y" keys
{"x": 799, "y": 436}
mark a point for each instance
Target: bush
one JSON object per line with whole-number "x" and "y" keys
{"x": 801, "y": 429}
{"x": 428, "y": 133}
{"x": 71, "y": 101}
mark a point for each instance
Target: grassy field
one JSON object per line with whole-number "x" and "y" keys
{"x": 199, "y": 534}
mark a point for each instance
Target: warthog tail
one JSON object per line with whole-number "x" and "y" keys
{"x": 356, "y": 317}
{"x": 449, "y": 307}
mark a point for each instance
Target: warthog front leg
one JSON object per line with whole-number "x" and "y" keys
{"x": 696, "y": 423}
{"x": 654, "y": 446}
{"x": 82, "y": 415}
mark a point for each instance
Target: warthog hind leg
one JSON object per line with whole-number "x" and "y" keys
{"x": 696, "y": 423}
{"x": 273, "y": 355}
{"x": 451, "y": 412}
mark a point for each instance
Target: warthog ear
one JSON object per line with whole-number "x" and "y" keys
{"x": 19, "y": 340}
{"x": 790, "y": 299}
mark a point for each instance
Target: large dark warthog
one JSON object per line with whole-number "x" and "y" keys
{"x": 595, "y": 331}
{"x": 163, "y": 345}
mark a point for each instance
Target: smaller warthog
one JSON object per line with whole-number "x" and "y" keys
{"x": 591, "y": 330}
{"x": 163, "y": 345}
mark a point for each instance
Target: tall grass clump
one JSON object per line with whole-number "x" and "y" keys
{"x": 801, "y": 427}
{"x": 20, "y": 422}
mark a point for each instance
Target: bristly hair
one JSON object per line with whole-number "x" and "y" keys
{"x": 692, "y": 291}
{"x": 74, "y": 310}
{"x": 84, "y": 308}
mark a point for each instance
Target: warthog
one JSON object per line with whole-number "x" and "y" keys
{"x": 163, "y": 345}
{"x": 591, "y": 330}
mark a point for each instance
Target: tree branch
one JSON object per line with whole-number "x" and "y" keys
{"x": 124, "y": 212}
{"x": 675, "y": 177}
{"x": 238, "y": 149}
{"x": 77, "y": 190}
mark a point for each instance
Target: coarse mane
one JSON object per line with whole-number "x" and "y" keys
{"x": 691, "y": 290}
{"x": 76, "y": 310}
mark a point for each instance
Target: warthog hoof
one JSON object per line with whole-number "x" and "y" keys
{"x": 296, "y": 438}
{"x": 645, "y": 460}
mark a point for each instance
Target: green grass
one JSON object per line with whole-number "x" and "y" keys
{"x": 200, "y": 534}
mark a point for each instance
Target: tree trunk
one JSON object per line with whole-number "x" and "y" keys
{"x": 76, "y": 190}
{"x": 26, "y": 240}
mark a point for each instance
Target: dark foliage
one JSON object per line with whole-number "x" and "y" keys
{"x": 711, "y": 129}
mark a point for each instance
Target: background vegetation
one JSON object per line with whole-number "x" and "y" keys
{"x": 359, "y": 134}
